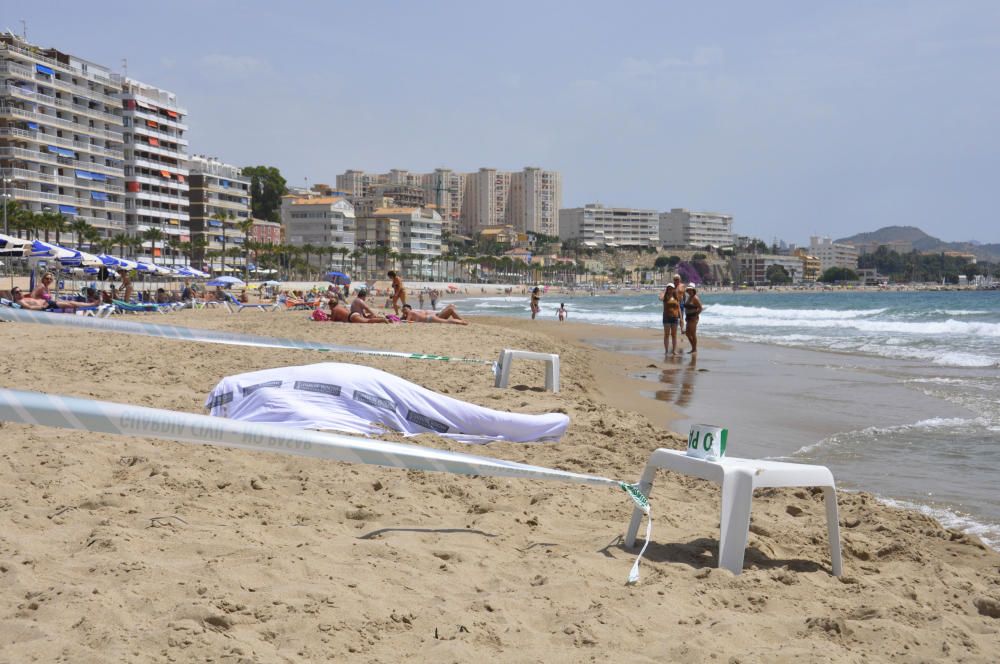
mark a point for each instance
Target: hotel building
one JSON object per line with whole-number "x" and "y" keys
{"x": 156, "y": 171}
{"x": 485, "y": 201}
{"x": 598, "y": 226}
{"x": 683, "y": 228}
{"x": 219, "y": 202}
{"x": 61, "y": 138}
{"x": 833, "y": 254}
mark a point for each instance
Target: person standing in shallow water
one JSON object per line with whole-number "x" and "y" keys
{"x": 671, "y": 319}
{"x": 692, "y": 310}
{"x": 536, "y": 296}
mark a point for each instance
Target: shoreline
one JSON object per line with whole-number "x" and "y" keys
{"x": 132, "y": 549}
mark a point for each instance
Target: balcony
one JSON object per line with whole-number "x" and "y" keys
{"x": 34, "y": 156}
{"x": 177, "y": 154}
{"x": 143, "y": 130}
{"x": 49, "y": 139}
{"x": 55, "y": 102}
{"x": 53, "y": 121}
{"x": 143, "y": 114}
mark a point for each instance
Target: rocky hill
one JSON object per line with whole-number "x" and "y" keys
{"x": 923, "y": 242}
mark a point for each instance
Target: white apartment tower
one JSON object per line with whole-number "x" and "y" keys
{"x": 355, "y": 183}
{"x": 598, "y": 226}
{"x": 535, "y": 197}
{"x": 156, "y": 169}
{"x": 683, "y": 228}
{"x": 61, "y": 139}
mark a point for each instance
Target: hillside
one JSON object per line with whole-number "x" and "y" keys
{"x": 923, "y": 242}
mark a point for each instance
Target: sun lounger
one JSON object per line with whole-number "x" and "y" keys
{"x": 231, "y": 302}
{"x": 127, "y": 307}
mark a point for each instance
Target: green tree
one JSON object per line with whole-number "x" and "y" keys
{"x": 777, "y": 275}
{"x": 152, "y": 235}
{"x": 835, "y": 274}
{"x": 267, "y": 186}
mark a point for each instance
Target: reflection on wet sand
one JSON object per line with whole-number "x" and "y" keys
{"x": 678, "y": 378}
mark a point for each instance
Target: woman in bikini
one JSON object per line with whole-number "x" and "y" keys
{"x": 692, "y": 309}
{"x": 671, "y": 319}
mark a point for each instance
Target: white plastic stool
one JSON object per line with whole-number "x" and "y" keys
{"x": 507, "y": 357}
{"x": 739, "y": 477}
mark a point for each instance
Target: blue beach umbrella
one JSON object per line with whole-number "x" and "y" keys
{"x": 338, "y": 277}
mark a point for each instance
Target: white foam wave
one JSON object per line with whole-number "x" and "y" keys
{"x": 987, "y": 532}
{"x": 866, "y": 434}
{"x": 949, "y": 328}
{"x": 737, "y": 311}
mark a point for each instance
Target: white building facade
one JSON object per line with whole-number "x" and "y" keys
{"x": 156, "y": 169}
{"x": 61, "y": 137}
{"x": 445, "y": 189}
{"x": 535, "y": 198}
{"x": 219, "y": 196}
{"x": 684, "y": 228}
{"x": 833, "y": 254}
{"x": 323, "y": 221}
{"x": 605, "y": 227}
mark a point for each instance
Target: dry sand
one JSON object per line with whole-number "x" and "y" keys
{"x": 125, "y": 549}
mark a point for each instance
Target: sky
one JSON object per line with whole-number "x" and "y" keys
{"x": 798, "y": 118}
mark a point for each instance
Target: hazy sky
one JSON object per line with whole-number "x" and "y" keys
{"x": 798, "y": 118}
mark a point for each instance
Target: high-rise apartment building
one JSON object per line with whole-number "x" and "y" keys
{"x": 356, "y": 183}
{"x": 598, "y": 226}
{"x": 535, "y": 197}
{"x": 61, "y": 138}
{"x": 683, "y": 228}
{"x": 219, "y": 202}
{"x": 156, "y": 169}
{"x": 485, "y": 201}
{"x": 444, "y": 188}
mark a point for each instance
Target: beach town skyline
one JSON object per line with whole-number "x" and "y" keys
{"x": 708, "y": 117}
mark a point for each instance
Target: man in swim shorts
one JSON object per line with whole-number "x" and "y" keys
{"x": 362, "y": 313}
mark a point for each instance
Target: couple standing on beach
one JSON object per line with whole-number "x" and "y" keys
{"x": 676, "y": 298}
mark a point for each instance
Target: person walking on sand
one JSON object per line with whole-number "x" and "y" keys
{"x": 536, "y": 296}
{"x": 671, "y": 319}
{"x": 398, "y": 297}
{"x": 680, "y": 294}
{"x": 561, "y": 312}
{"x": 692, "y": 309}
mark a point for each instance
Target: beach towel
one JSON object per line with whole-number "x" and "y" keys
{"x": 357, "y": 399}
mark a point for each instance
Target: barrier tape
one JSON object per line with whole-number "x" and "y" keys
{"x": 122, "y": 419}
{"x": 209, "y": 336}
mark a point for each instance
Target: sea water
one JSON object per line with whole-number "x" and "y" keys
{"x": 897, "y": 392}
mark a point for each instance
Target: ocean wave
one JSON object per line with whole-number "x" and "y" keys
{"x": 989, "y": 533}
{"x": 737, "y": 311}
{"x": 941, "y": 328}
{"x": 865, "y": 435}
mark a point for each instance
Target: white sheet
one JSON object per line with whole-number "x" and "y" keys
{"x": 357, "y": 399}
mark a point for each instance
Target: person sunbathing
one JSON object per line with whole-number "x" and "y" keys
{"x": 31, "y": 303}
{"x": 362, "y": 313}
{"x": 447, "y": 315}
{"x": 339, "y": 313}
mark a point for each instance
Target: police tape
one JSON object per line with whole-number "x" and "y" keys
{"x": 122, "y": 419}
{"x": 209, "y": 336}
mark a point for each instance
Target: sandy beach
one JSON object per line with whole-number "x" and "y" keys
{"x": 124, "y": 549}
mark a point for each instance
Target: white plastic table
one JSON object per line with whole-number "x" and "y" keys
{"x": 507, "y": 357}
{"x": 739, "y": 477}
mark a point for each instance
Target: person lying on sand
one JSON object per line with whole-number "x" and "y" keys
{"x": 447, "y": 315}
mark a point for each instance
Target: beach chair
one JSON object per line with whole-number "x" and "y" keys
{"x": 231, "y": 302}
{"x": 122, "y": 307}
{"x": 739, "y": 478}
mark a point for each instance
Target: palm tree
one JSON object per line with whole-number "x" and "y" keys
{"x": 91, "y": 235}
{"x": 80, "y": 228}
{"x": 153, "y": 235}
{"x": 59, "y": 225}
{"x": 121, "y": 239}
{"x": 246, "y": 226}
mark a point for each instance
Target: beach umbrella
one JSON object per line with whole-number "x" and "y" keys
{"x": 81, "y": 259}
{"x": 271, "y": 282}
{"x": 14, "y": 246}
{"x": 338, "y": 277}
{"x": 226, "y": 281}
{"x": 41, "y": 249}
